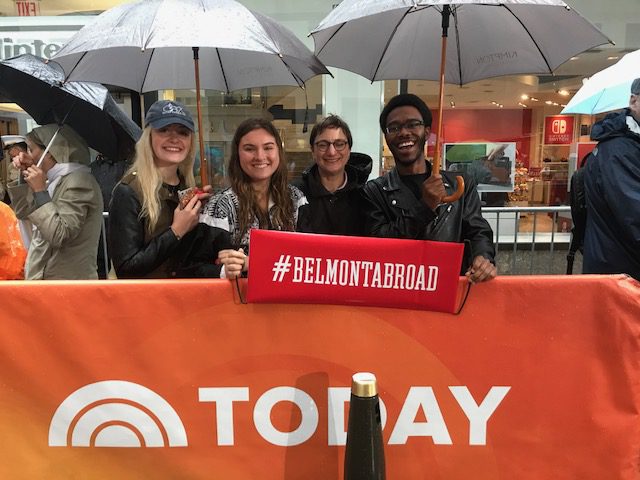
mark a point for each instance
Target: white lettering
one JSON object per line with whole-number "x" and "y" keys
{"x": 308, "y": 270}
{"x": 479, "y": 415}
{"x": 332, "y": 271}
{"x": 406, "y": 426}
{"x": 224, "y": 397}
{"x": 432, "y": 282}
{"x": 297, "y": 269}
{"x": 262, "y": 416}
{"x": 337, "y": 406}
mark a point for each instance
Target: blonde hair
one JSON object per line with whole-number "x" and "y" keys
{"x": 150, "y": 179}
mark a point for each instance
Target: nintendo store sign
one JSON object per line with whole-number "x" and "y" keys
{"x": 41, "y": 36}
{"x": 558, "y": 129}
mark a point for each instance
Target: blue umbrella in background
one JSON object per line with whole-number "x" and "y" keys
{"x": 607, "y": 90}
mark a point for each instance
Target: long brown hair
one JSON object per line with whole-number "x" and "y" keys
{"x": 278, "y": 184}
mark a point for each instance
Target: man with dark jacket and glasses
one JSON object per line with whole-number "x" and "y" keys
{"x": 333, "y": 184}
{"x": 406, "y": 202}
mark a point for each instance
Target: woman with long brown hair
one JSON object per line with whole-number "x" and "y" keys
{"x": 260, "y": 195}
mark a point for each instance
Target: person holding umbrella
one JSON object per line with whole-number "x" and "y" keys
{"x": 63, "y": 202}
{"x": 259, "y": 196}
{"x": 151, "y": 232}
{"x": 612, "y": 188}
{"x": 406, "y": 202}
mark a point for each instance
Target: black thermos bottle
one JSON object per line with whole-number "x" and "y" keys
{"x": 364, "y": 457}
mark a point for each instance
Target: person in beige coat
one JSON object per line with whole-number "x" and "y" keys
{"x": 63, "y": 201}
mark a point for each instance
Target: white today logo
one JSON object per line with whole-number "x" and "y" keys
{"x": 124, "y": 414}
{"x": 116, "y": 413}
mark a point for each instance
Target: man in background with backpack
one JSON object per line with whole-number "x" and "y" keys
{"x": 612, "y": 187}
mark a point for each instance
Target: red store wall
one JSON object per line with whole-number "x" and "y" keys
{"x": 498, "y": 125}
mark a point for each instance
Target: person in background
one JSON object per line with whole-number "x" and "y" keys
{"x": 406, "y": 202}
{"x": 63, "y": 201}
{"x": 150, "y": 233}
{"x": 26, "y": 228}
{"x": 332, "y": 185}
{"x": 108, "y": 172}
{"x": 612, "y": 190}
{"x": 259, "y": 196}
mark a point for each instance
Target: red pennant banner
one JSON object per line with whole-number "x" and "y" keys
{"x": 291, "y": 267}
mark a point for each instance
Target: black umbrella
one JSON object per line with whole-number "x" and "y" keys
{"x": 37, "y": 85}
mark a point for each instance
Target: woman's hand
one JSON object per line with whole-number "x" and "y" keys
{"x": 22, "y": 161}
{"x": 234, "y": 261}
{"x": 35, "y": 178}
{"x": 185, "y": 219}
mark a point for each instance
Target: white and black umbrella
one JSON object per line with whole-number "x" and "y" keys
{"x": 157, "y": 44}
{"x": 37, "y": 86}
{"x": 407, "y": 39}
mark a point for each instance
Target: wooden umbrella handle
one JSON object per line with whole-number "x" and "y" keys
{"x": 446, "y": 12}
{"x": 457, "y": 194}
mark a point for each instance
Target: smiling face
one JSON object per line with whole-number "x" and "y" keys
{"x": 258, "y": 154}
{"x": 330, "y": 160}
{"x": 170, "y": 144}
{"x": 407, "y": 145}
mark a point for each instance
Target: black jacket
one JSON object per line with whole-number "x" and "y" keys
{"x": 137, "y": 253}
{"x": 337, "y": 213}
{"x": 612, "y": 187}
{"x": 393, "y": 211}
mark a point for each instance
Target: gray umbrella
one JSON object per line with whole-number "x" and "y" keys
{"x": 407, "y": 39}
{"x": 37, "y": 86}
{"x": 150, "y": 45}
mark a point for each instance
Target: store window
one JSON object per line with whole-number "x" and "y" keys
{"x": 293, "y": 111}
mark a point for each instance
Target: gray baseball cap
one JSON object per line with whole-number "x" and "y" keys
{"x": 166, "y": 112}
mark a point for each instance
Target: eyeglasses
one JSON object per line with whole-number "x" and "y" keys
{"x": 411, "y": 125}
{"x": 323, "y": 145}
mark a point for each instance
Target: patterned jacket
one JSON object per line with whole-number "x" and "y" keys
{"x": 222, "y": 212}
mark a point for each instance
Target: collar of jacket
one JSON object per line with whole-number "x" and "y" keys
{"x": 311, "y": 177}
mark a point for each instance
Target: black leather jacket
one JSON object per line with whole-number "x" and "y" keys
{"x": 137, "y": 253}
{"x": 393, "y": 211}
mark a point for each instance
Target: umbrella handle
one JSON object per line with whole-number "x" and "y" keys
{"x": 457, "y": 194}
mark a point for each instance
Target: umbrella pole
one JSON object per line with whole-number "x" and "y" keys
{"x": 446, "y": 12}
{"x": 203, "y": 160}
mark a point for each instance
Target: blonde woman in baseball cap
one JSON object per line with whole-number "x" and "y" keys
{"x": 150, "y": 232}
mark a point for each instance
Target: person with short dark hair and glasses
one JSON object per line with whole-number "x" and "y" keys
{"x": 333, "y": 184}
{"x": 406, "y": 202}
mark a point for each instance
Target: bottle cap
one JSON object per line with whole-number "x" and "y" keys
{"x": 363, "y": 384}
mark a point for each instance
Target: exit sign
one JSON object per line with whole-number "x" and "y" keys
{"x": 27, "y": 9}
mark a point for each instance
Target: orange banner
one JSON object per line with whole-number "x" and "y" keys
{"x": 537, "y": 378}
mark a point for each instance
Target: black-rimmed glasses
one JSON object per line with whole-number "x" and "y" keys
{"x": 412, "y": 125}
{"x": 323, "y": 145}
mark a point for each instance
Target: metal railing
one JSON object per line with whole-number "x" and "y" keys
{"x": 515, "y": 248}
{"x": 534, "y": 245}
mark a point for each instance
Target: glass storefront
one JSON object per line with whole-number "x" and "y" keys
{"x": 515, "y": 114}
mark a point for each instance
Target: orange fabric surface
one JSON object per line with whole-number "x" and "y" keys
{"x": 12, "y": 252}
{"x": 557, "y": 357}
